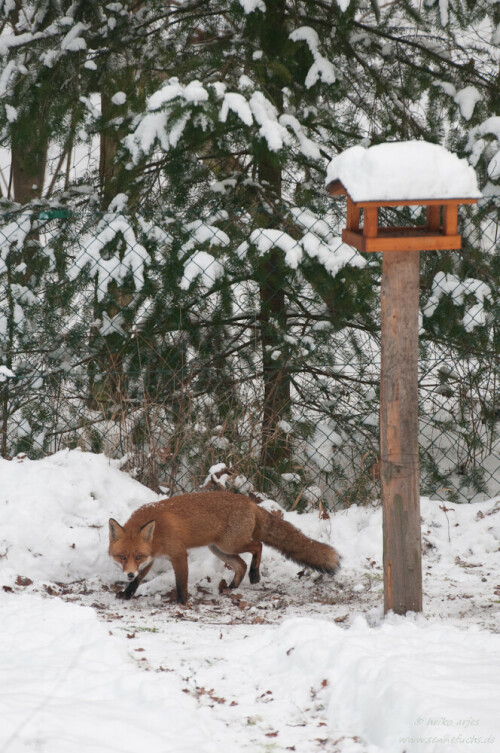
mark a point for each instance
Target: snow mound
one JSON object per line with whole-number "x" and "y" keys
{"x": 54, "y": 514}
{"x": 401, "y": 686}
{"x": 70, "y": 687}
{"x": 144, "y": 675}
{"x": 406, "y": 170}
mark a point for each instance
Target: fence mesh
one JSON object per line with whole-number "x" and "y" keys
{"x": 199, "y": 346}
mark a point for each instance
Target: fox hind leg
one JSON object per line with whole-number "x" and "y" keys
{"x": 234, "y": 562}
{"x": 238, "y": 564}
{"x": 256, "y": 550}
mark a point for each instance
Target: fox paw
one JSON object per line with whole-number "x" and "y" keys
{"x": 123, "y": 595}
{"x": 254, "y": 576}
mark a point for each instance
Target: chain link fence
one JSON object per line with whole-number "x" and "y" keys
{"x": 200, "y": 347}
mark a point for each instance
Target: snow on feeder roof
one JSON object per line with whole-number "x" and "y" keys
{"x": 396, "y": 174}
{"x": 407, "y": 170}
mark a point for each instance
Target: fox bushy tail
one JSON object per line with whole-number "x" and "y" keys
{"x": 281, "y": 535}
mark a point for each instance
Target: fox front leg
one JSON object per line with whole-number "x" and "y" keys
{"x": 180, "y": 565}
{"x": 134, "y": 585}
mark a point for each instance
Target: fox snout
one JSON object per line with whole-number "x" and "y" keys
{"x": 128, "y": 568}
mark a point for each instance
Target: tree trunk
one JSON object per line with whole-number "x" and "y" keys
{"x": 108, "y": 383}
{"x": 109, "y": 141}
{"x": 275, "y": 449}
{"x": 29, "y": 161}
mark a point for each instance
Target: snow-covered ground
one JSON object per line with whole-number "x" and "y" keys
{"x": 297, "y": 662}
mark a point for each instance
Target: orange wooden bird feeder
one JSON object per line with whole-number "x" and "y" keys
{"x": 393, "y": 175}
{"x": 440, "y": 231}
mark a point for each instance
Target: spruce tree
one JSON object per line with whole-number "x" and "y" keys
{"x": 222, "y": 302}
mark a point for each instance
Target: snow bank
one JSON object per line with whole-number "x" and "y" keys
{"x": 69, "y": 683}
{"x": 403, "y": 170}
{"x": 68, "y": 687}
{"x": 457, "y": 540}
{"x": 54, "y": 514}
{"x": 54, "y": 527}
{"x": 402, "y": 686}
{"x": 54, "y": 523}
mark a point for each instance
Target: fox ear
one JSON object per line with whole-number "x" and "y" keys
{"x": 115, "y": 530}
{"x": 147, "y": 531}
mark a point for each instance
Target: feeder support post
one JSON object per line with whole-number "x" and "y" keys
{"x": 399, "y": 462}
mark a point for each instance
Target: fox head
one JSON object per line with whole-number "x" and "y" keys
{"x": 131, "y": 550}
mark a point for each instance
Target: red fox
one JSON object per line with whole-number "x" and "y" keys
{"x": 229, "y": 524}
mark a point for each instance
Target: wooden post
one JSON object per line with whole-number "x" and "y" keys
{"x": 451, "y": 219}
{"x": 352, "y": 222}
{"x": 434, "y": 218}
{"x": 370, "y": 222}
{"x": 399, "y": 432}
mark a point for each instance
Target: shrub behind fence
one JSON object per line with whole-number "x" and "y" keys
{"x": 180, "y": 344}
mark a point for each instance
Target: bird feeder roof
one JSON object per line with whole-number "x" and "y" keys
{"x": 409, "y": 171}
